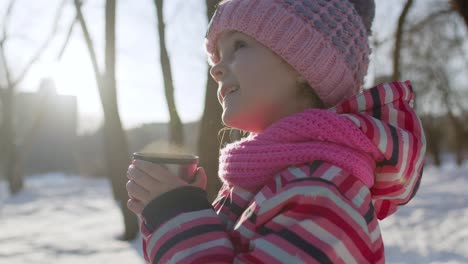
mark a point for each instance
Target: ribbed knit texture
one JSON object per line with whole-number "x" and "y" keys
{"x": 326, "y": 42}
{"x": 311, "y": 135}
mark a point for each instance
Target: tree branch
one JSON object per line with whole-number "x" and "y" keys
{"x": 89, "y": 43}
{"x": 450, "y": 97}
{"x": 5, "y": 65}
{"x": 110, "y": 54}
{"x": 67, "y": 39}
{"x": 2, "y": 43}
{"x": 43, "y": 47}
{"x": 6, "y": 20}
{"x": 399, "y": 39}
{"x": 417, "y": 27}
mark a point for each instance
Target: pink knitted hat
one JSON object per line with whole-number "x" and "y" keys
{"x": 325, "y": 41}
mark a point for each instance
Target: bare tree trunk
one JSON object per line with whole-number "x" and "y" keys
{"x": 176, "y": 133}
{"x": 116, "y": 144}
{"x": 20, "y": 151}
{"x": 211, "y": 123}
{"x": 15, "y": 180}
{"x": 399, "y": 39}
{"x": 115, "y": 141}
{"x": 117, "y": 158}
{"x": 433, "y": 136}
{"x": 12, "y": 161}
{"x": 459, "y": 137}
{"x": 460, "y": 149}
{"x": 462, "y": 8}
{"x": 457, "y": 122}
{"x": 13, "y": 156}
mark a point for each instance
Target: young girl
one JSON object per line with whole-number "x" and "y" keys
{"x": 323, "y": 160}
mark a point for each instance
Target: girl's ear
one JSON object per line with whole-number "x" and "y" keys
{"x": 300, "y": 79}
{"x": 306, "y": 91}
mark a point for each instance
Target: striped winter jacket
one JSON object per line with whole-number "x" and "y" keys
{"x": 310, "y": 213}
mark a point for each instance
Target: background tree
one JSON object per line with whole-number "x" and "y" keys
{"x": 398, "y": 39}
{"x": 211, "y": 124}
{"x": 461, "y": 6}
{"x": 434, "y": 57}
{"x": 176, "y": 133}
{"x": 12, "y": 144}
{"x": 115, "y": 141}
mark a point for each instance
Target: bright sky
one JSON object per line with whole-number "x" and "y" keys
{"x": 139, "y": 77}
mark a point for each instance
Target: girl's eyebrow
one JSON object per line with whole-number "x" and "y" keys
{"x": 226, "y": 36}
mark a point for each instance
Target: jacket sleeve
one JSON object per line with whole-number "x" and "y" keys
{"x": 181, "y": 226}
{"x": 305, "y": 222}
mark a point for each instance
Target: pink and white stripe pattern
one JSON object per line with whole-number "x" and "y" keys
{"x": 315, "y": 212}
{"x": 385, "y": 115}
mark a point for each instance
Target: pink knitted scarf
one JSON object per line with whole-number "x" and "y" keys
{"x": 297, "y": 139}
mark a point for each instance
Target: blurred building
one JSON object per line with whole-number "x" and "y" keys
{"x": 46, "y": 128}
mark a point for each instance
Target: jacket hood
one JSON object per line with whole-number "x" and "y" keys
{"x": 385, "y": 115}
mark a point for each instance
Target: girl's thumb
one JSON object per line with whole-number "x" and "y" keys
{"x": 200, "y": 178}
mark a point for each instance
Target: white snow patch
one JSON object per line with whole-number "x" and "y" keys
{"x": 63, "y": 219}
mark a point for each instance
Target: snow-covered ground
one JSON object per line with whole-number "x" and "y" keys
{"x": 68, "y": 219}
{"x": 433, "y": 227}
{"x": 63, "y": 219}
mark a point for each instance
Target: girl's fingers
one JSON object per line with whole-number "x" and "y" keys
{"x": 148, "y": 181}
{"x": 135, "y": 206}
{"x": 200, "y": 179}
{"x": 141, "y": 178}
{"x": 135, "y": 190}
{"x": 156, "y": 171}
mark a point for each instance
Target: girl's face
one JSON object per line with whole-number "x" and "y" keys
{"x": 255, "y": 86}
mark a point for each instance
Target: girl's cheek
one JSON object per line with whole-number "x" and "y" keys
{"x": 235, "y": 66}
{"x": 241, "y": 59}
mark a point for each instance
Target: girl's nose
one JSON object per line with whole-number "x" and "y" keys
{"x": 217, "y": 72}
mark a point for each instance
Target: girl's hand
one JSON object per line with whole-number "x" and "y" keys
{"x": 148, "y": 181}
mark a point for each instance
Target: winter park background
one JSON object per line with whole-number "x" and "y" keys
{"x": 58, "y": 194}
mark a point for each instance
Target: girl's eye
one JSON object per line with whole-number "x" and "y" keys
{"x": 239, "y": 44}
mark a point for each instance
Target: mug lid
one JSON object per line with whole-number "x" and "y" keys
{"x": 166, "y": 157}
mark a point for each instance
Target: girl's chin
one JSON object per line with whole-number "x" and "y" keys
{"x": 230, "y": 119}
{"x": 238, "y": 122}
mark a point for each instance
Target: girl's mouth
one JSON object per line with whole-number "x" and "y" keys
{"x": 230, "y": 90}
